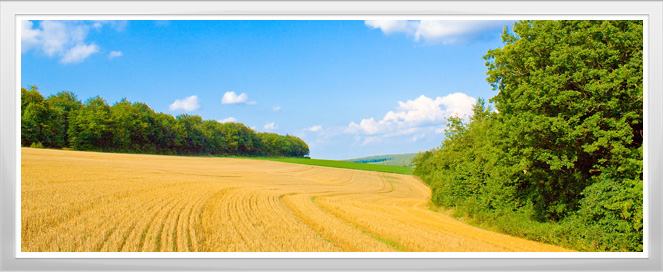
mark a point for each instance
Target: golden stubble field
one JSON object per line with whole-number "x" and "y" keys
{"x": 87, "y": 201}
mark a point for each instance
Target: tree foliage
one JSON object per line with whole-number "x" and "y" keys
{"x": 64, "y": 121}
{"x": 63, "y": 103}
{"x": 91, "y": 127}
{"x": 564, "y": 147}
{"x": 39, "y": 122}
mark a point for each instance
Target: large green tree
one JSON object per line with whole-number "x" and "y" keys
{"x": 64, "y": 103}
{"x": 134, "y": 127}
{"x": 38, "y": 119}
{"x": 91, "y": 127}
{"x": 564, "y": 146}
{"x": 167, "y": 134}
{"x": 570, "y": 93}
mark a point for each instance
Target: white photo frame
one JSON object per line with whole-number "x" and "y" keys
{"x": 14, "y": 11}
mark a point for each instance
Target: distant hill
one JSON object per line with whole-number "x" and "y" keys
{"x": 394, "y": 159}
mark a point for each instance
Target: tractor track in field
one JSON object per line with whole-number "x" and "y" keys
{"x": 86, "y": 201}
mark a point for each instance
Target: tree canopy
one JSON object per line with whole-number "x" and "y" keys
{"x": 563, "y": 147}
{"x": 62, "y": 120}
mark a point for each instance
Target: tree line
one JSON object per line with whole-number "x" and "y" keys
{"x": 560, "y": 160}
{"x": 63, "y": 121}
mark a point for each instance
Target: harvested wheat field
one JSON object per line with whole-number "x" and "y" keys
{"x": 88, "y": 201}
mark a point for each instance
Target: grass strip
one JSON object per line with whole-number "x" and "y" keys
{"x": 344, "y": 164}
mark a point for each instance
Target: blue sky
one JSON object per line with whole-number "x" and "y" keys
{"x": 347, "y": 88}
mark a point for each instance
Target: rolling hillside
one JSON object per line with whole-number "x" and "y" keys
{"x": 394, "y": 159}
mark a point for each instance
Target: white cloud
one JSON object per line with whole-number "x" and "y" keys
{"x": 414, "y": 116}
{"x": 228, "y": 120}
{"x": 187, "y": 104}
{"x": 63, "y": 39}
{"x": 118, "y": 26}
{"x": 79, "y": 53}
{"x": 276, "y": 108}
{"x": 394, "y": 26}
{"x": 58, "y": 37}
{"x": 30, "y": 38}
{"x": 435, "y": 31}
{"x": 233, "y": 98}
{"x": 314, "y": 128}
{"x": 367, "y": 126}
{"x": 114, "y": 54}
{"x": 458, "y": 104}
{"x": 271, "y": 126}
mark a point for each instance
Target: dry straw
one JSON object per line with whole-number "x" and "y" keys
{"x": 89, "y": 202}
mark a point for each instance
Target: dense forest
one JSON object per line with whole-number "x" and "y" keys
{"x": 63, "y": 121}
{"x": 560, "y": 159}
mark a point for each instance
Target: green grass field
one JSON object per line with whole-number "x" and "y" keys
{"x": 346, "y": 165}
